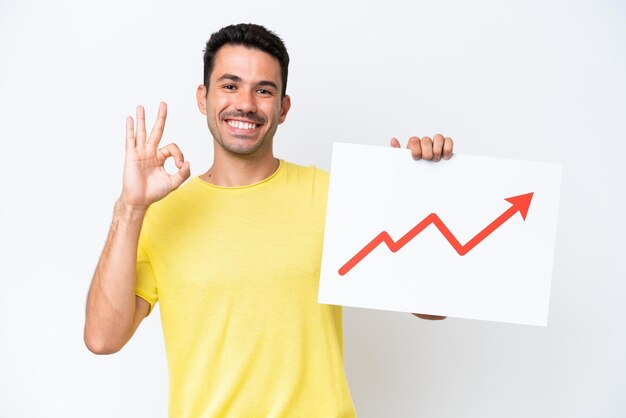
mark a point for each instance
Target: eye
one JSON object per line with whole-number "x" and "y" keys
{"x": 229, "y": 87}
{"x": 265, "y": 92}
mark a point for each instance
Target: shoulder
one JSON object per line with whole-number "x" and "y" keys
{"x": 177, "y": 204}
{"x": 312, "y": 175}
{"x": 305, "y": 184}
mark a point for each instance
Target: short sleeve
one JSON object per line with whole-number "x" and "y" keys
{"x": 145, "y": 287}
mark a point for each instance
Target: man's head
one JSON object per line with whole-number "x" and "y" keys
{"x": 243, "y": 94}
{"x": 251, "y": 36}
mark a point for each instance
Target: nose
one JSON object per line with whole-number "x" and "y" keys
{"x": 245, "y": 101}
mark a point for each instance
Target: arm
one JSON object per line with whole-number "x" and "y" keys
{"x": 113, "y": 310}
{"x": 432, "y": 150}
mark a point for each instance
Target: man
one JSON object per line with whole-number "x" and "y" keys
{"x": 233, "y": 256}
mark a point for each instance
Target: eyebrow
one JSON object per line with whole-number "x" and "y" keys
{"x": 229, "y": 77}
{"x": 267, "y": 83}
{"x": 237, "y": 79}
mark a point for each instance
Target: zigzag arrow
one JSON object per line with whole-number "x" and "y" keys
{"x": 519, "y": 204}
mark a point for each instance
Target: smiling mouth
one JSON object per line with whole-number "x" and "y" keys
{"x": 241, "y": 125}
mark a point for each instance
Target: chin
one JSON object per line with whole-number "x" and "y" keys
{"x": 245, "y": 149}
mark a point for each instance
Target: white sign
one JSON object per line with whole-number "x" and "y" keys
{"x": 471, "y": 237}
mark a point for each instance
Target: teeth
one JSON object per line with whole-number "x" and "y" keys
{"x": 241, "y": 125}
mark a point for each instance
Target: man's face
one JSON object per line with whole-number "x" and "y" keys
{"x": 243, "y": 105}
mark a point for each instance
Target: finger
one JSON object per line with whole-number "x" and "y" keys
{"x": 130, "y": 133}
{"x": 159, "y": 125}
{"x": 394, "y": 143}
{"x": 430, "y": 317}
{"x": 437, "y": 147}
{"x": 415, "y": 146}
{"x": 448, "y": 146}
{"x": 181, "y": 175}
{"x": 427, "y": 148}
{"x": 141, "y": 126}
{"x": 171, "y": 150}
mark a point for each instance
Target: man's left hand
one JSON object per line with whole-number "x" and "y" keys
{"x": 430, "y": 317}
{"x": 426, "y": 148}
{"x": 432, "y": 150}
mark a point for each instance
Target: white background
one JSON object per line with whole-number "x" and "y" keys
{"x": 535, "y": 80}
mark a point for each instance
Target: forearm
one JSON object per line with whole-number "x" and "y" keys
{"x": 111, "y": 300}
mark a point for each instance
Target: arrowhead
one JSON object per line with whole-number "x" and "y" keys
{"x": 521, "y": 203}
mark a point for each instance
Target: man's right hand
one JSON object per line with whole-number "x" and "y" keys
{"x": 114, "y": 311}
{"x": 145, "y": 178}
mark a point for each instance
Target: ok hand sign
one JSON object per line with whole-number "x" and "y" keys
{"x": 145, "y": 178}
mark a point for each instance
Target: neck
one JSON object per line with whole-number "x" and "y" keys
{"x": 232, "y": 170}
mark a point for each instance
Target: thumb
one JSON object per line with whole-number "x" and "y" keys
{"x": 394, "y": 143}
{"x": 183, "y": 174}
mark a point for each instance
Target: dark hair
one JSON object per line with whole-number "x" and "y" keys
{"x": 250, "y": 36}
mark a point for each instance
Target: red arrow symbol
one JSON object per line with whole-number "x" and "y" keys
{"x": 519, "y": 204}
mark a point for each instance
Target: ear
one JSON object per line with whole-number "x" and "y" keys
{"x": 284, "y": 108}
{"x": 201, "y": 98}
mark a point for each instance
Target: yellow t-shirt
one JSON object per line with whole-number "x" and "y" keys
{"x": 236, "y": 273}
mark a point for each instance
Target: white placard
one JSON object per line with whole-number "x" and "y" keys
{"x": 462, "y": 247}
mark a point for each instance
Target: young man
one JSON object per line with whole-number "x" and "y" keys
{"x": 233, "y": 256}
